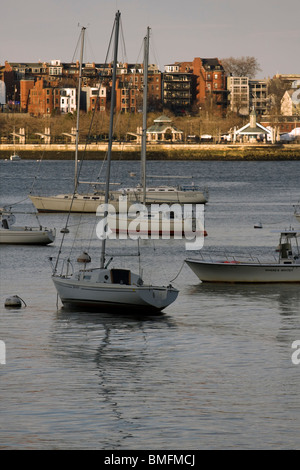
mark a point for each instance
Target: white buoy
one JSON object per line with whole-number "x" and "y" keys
{"x": 14, "y": 301}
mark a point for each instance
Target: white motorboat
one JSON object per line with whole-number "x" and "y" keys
{"x": 15, "y": 158}
{"x": 23, "y": 235}
{"x": 235, "y": 269}
{"x": 111, "y": 290}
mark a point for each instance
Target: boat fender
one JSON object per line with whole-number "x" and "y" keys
{"x": 14, "y": 301}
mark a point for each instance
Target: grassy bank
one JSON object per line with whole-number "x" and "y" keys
{"x": 168, "y": 152}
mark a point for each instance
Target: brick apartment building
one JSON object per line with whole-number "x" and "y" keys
{"x": 200, "y": 82}
{"x": 199, "y": 85}
{"x": 130, "y": 84}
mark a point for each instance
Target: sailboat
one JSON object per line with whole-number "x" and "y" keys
{"x": 76, "y": 201}
{"x": 111, "y": 289}
{"x": 172, "y": 220}
{"x": 181, "y": 194}
{"x": 11, "y": 234}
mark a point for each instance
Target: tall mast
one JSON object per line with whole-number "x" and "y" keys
{"x": 144, "y": 129}
{"x": 111, "y": 125}
{"x": 78, "y": 109}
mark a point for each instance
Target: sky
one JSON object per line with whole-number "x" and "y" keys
{"x": 42, "y": 30}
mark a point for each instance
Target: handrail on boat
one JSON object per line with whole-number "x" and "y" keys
{"x": 221, "y": 257}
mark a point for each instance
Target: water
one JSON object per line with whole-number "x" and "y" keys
{"x": 214, "y": 372}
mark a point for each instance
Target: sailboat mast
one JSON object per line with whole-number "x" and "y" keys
{"x": 78, "y": 109}
{"x": 144, "y": 129}
{"x": 111, "y": 125}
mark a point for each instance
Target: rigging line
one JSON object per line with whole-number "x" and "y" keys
{"x": 33, "y": 183}
{"x": 77, "y": 46}
{"x": 37, "y": 173}
{"x": 154, "y": 49}
{"x": 109, "y": 44}
{"x": 123, "y": 45}
{"x": 80, "y": 167}
{"x": 178, "y": 272}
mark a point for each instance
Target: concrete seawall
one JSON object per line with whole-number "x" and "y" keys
{"x": 128, "y": 151}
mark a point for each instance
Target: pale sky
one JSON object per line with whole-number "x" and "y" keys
{"x": 269, "y": 30}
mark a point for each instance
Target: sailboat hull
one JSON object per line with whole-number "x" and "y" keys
{"x": 66, "y": 203}
{"x": 89, "y": 203}
{"x": 104, "y": 297}
{"x": 26, "y": 236}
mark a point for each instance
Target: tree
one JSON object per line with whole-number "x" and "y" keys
{"x": 241, "y": 66}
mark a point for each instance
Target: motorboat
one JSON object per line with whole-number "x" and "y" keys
{"x": 23, "y": 235}
{"x": 102, "y": 288}
{"x": 236, "y": 269}
{"x": 15, "y": 158}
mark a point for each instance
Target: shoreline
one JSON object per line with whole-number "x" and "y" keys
{"x": 128, "y": 151}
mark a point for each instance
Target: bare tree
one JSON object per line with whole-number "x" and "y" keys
{"x": 241, "y": 66}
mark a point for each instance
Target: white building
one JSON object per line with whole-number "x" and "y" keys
{"x": 68, "y": 100}
{"x": 90, "y": 95}
{"x": 2, "y": 93}
{"x": 238, "y": 88}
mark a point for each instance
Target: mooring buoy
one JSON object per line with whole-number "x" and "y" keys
{"x": 14, "y": 301}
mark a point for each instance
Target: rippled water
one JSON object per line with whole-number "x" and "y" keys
{"x": 213, "y": 372}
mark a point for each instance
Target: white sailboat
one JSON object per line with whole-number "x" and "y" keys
{"x": 181, "y": 194}
{"x": 76, "y": 201}
{"x": 172, "y": 220}
{"x": 82, "y": 202}
{"x": 11, "y": 234}
{"x": 114, "y": 290}
{"x": 234, "y": 269}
